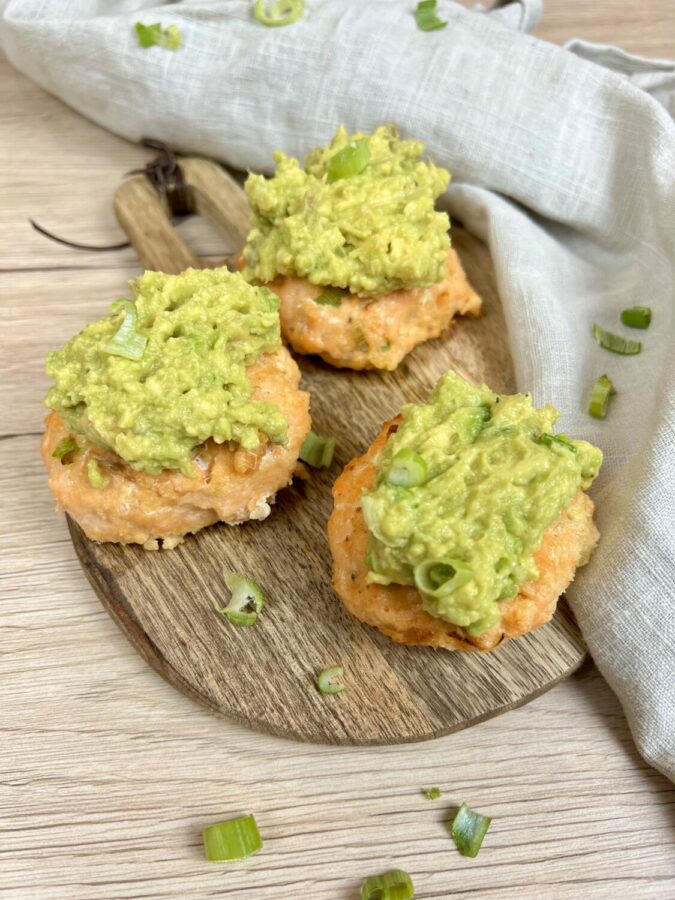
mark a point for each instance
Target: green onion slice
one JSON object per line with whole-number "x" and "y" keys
{"x": 234, "y": 839}
{"x": 65, "y": 446}
{"x": 151, "y": 35}
{"x": 349, "y": 161}
{"x": 440, "y": 577}
{"x": 127, "y": 341}
{"x": 246, "y": 601}
{"x": 603, "y": 389}
{"x": 96, "y": 477}
{"x": 329, "y": 681}
{"x": 468, "y": 828}
{"x": 432, "y": 793}
{"x": 394, "y": 885}
{"x": 276, "y": 14}
{"x": 637, "y": 317}
{"x": 426, "y": 17}
{"x": 558, "y": 440}
{"x": 317, "y": 451}
{"x": 331, "y": 296}
{"x": 407, "y": 469}
{"x": 616, "y": 343}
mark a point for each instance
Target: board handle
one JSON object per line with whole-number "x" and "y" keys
{"x": 145, "y": 215}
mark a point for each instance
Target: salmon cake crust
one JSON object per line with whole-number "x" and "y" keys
{"x": 396, "y": 610}
{"x": 375, "y": 332}
{"x": 231, "y": 485}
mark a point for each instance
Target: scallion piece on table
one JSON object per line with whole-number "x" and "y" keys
{"x": 127, "y": 341}
{"x": 278, "y": 13}
{"x": 329, "y": 681}
{"x": 394, "y": 885}
{"x": 234, "y": 839}
{"x": 65, "y": 446}
{"x": 407, "y": 469}
{"x": 616, "y": 343}
{"x": 560, "y": 440}
{"x": 246, "y": 601}
{"x": 440, "y": 577}
{"x": 603, "y": 389}
{"x": 637, "y": 317}
{"x": 317, "y": 451}
{"x": 96, "y": 477}
{"x": 468, "y": 828}
{"x": 432, "y": 793}
{"x": 349, "y": 161}
{"x": 331, "y": 296}
{"x": 426, "y": 17}
{"x": 151, "y": 35}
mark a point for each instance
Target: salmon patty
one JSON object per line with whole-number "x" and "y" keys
{"x": 231, "y": 485}
{"x": 372, "y": 332}
{"x": 396, "y": 610}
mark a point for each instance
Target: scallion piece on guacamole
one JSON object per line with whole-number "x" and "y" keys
{"x": 127, "y": 341}
{"x": 155, "y": 35}
{"x": 468, "y": 828}
{"x": 408, "y": 469}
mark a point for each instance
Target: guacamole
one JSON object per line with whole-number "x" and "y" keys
{"x": 360, "y": 216}
{"x": 190, "y": 340}
{"x": 486, "y": 477}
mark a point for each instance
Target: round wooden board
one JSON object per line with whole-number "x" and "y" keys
{"x": 264, "y": 676}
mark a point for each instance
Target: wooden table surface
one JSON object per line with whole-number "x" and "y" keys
{"x": 107, "y": 774}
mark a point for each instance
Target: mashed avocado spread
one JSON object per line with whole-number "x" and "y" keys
{"x": 360, "y": 216}
{"x": 195, "y": 335}
{"x": 490, "y": 477}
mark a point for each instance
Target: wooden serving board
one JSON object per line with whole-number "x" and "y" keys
{"x": 264, "y": 676}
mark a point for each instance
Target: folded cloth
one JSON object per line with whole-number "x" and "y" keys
{"x": 563, "y": 162}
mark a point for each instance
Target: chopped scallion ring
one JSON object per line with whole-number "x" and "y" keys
{"x": 329, "y": 681}
{"x": 637, "y": 317}
{"x": 331, "y": 296}
{"x": 317, "y": 451}
{"x": 234, "y": 839}
{"x": 432, "y": 793}
{"x": 468, "y": 828}
{"x": 349, "y": 161}
{"x": 408, "y": 469}
{"x": 246, "y": 601}
{"x": 394, "y": 885}
{"x": 560, "y": 440}
{"x": 603, "y": 389}
{"x": 127, "y": 341}
{"x": 441, "y": 577}
{"x": 616, "y": 343}
{"x": 151, "y": 35}
{"x": 65, "y": 446}
{"x": 276, "y": 14}
{"x": 426, "y": 17}
{"x": 96, "y": 477}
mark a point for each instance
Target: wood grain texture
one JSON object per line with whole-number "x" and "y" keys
{"x": 164, "y": 601}
{"x": 107, "y": 774}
